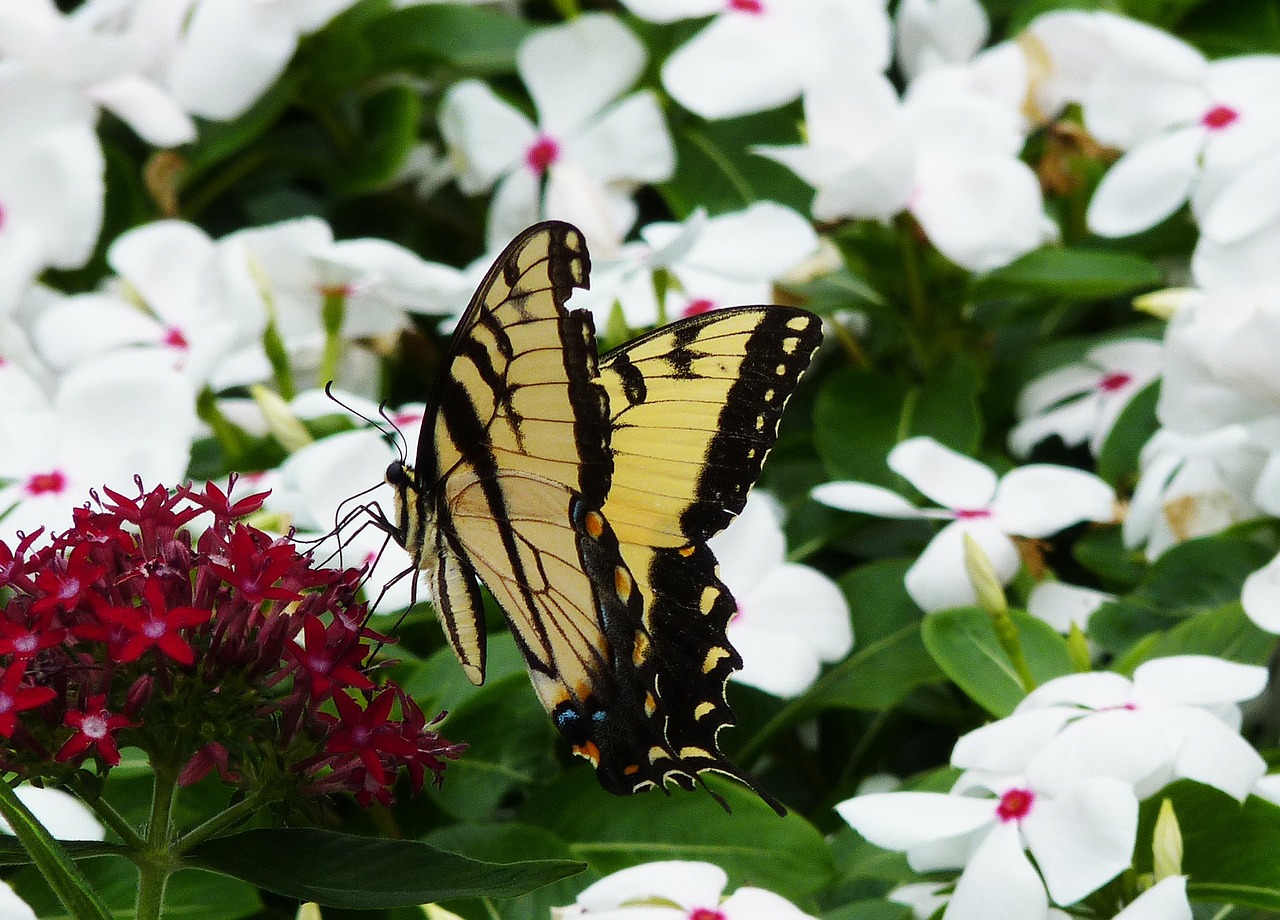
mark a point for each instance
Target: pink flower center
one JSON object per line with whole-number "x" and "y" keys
{"x": 6, "y": 702}
{"x": 25, "y": 644}
{"x": 542, "y": 154}
{"x": 706, "y": 913}
{"x": 2, "y": 216}
{"x": 1219, "y": 117}
{"x": 407, "y": 419}
{"x": 972, "y": 514}
{"x": 154, "y": 629}
{"x": 744, "y": 6}
{"x": 45, "y": 483}
{"x": 1015, "y": 805}
{"x": 1112, "y": 382}
{"x": 94, "y": 726}
{"x": 175, "y": 339}
{"x": 699, "y": 306}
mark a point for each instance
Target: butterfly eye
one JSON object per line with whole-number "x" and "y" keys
{"x": 397, "y": 475}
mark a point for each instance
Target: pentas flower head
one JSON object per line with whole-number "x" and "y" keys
{"x": 231, "y": 648}
{"x": 1035, "y": 501}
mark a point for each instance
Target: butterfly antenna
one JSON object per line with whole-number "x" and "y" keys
{"x": 398, "y": 438}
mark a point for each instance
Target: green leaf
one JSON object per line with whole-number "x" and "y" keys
{"x": 422, "y": 38}
{"x": 869, "y": 910}
{"x": 1118, "y": 460}
{"x": 189, "y": 895}
{"x": 1079, "y": 274}
{"x": 511, "y": 841}
{"x": 1227, "y": 27}
{"x": 753, "y": 845}
{"x": 963, "y": 642}
{"x": 719, "y": 172}
{"x": 389, "y": 132}
{"x": 1202, "y": 574}
{"x": 1228, "y": 848}
{"x": 1102, "y": 551}
{"x": 511, "y": 743}
{"x": 13, "y": 853}
{"x": 1225, "y": 632}
{"x": 344, "y": 870}
{"x": 54, "y": 863}
{"x": 889, "y": 658}
{"x": 220, "y": 140}
{"x": 946, "y": 408}
{"x": 439, "y": 683}
{"x": 856, "y": 424}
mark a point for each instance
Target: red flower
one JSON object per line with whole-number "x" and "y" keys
{"x": 64, "y": 588}
{"x": 14, "y": 701}
{"x": 94, "y": 727}
{"x": 154, "y": 624}
{"x": 253, "y": 569}
{"x": 330, "y": 657}
{"x": 23, "y": 642}
{"x": 367, "y": 734}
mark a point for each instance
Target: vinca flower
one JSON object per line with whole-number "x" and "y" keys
{"x": 1081, "y": 402}
{"x": 588, "y": 150}
{"x": 675, "y": 890}
{"x": 167, "y": 640}
{"x": 1036, "y": 500}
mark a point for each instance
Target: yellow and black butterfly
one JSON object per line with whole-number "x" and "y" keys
{"x": 582, "y": 492}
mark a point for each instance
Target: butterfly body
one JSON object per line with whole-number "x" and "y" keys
{"x": 581, "y": 491}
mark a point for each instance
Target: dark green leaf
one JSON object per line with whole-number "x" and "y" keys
{"x": 511, "y": 743}
{"x": 422, "y": 38}
{"x": 1102, "y": 551}
{"x": 963, "y": 642}
{"x": 1228, "y": 848}
{"x": 1224, "y": 27}
{"x": 12, "y": 853}
{"x": 1082, "y": 274}
{"x": 946, "y": 409}
{"x": 1224, "y": 632}
{"x": 343, "y": 870}
{"x": 389, "y": 132}
{"x": 718, "y": 171}
{"x": 856, "y": 424}
{"x": 754, "y": 845}
{"x": 1202, "y": 574}
{"x": 220, "y": 140}
{"x": 869, "y": 910}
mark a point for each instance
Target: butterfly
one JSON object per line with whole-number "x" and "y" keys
{"x": 582, "y": 490}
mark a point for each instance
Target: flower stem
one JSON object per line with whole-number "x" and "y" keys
{"x": 110, "y": 817}
{"x": 220, "y": 822}
{"x": 157, "y": 861}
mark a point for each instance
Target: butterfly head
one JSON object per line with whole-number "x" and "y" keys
{"x": 410, "y": 525}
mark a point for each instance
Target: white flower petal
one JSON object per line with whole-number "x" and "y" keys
{"x": 1062, "y": 605}
{"x": 514, "y": 207}
{"x": 487, "y": 137}
{"x": 1083, "y": 839}
{"x": 63, "y": 815}
{"x": 13, "y": 907}
{"x": 232, "y": 52}
{"x": 166, "y": 262}
{"x": 797, "y": 600}
{"x": 1165, "y": 900}
{"x": 1092, "y": 689}
{"x": 1041, "y": 499}
{"x": 689, "y": 884}
{"x": 1118, "y": 743}
{"x": 1147, "y": 184}
{"x": 1009, "y": 744}
{"x": 672, "y": 10}
{"x": 939, "y": 578}
{"x": 81, "y": 327}
{"x": 628, "y": 143}
{"x": 1199, "y": 680}
{"x": 749, "y": 903}
{"x": 765, "y": 241}
{"x": 775, "y": 662}
{"x": 949, "y": 478}
{"x": 1261, "y": 596}
{"x": 147, "y": 109}
{"x": 753, "y": 546}
{"x": 999, "y": 883}
{"x": 901, "y": 820}
{"x": 1247, "y": 204}
{"x": 736, "y": 65}
{"x": 1209, "y": 752}
{"x": 866, "y": 498}
{"x": 575, "y": 69}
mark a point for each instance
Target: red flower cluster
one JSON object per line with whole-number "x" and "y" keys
{"x": 226, "y": 650}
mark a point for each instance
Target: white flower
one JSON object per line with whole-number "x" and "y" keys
{"x": 1062, "y": 605}
{"x": 233, "y": 50}
{"x": 986, "y": 825}
{"x": 723, "y": 261}
{"x": 933, "y": 32}
{"x": 1261, "y": 596}
{"x": 121, "y": 416}
{"x": 63, "y": 815}
{"x": 51, "y": 182}
{"x": 1178, "y": 718}
{"x": 790, "y": 617}
{"x": 591, "y": 151}
{"x": 946, "y": 154}
{"x": 1035, "y": 501}
{"x": 1081, "y": 402}
{"x": 756, "y": 54}
{"x": 1189, "y": 126}
{"x": 85, "y": 59}
{"x": 692, "y": 889}
{"x": 1193, "y": 486}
